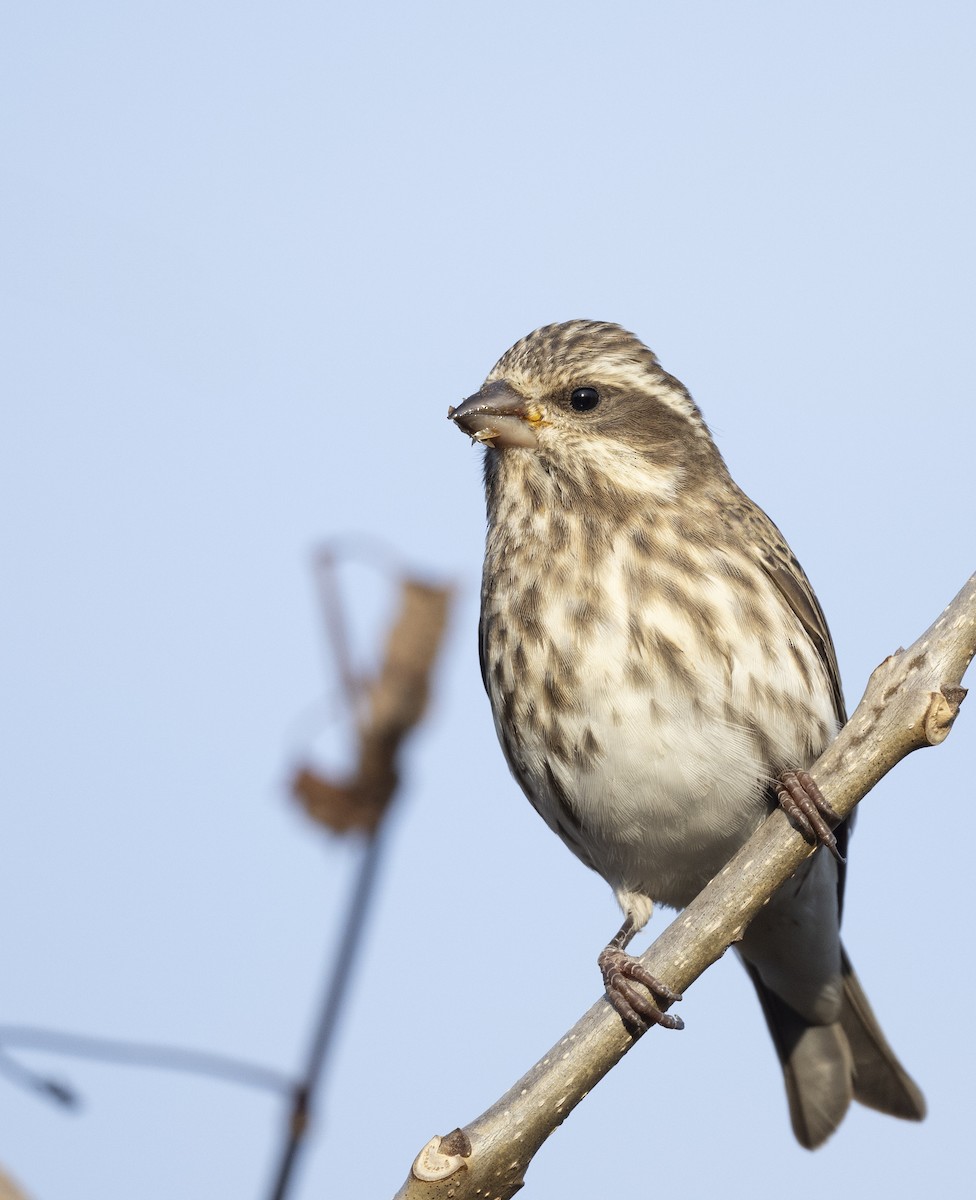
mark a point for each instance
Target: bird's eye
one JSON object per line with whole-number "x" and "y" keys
{"x": 584, "y": 399}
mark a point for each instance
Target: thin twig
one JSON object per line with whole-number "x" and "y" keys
{"x": 334, "y": 621}
{"x": 132, "y": 1054}
{"x": 339, "y": 977}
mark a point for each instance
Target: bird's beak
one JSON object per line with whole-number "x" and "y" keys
{"x": 497, "y": 416}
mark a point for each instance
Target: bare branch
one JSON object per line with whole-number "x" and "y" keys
{"x": 911, "y": 701}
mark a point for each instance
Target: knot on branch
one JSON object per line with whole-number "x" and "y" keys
{"x": 442, "y": 1156}
{"x": 942, "y": 711}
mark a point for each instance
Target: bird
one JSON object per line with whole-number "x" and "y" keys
{"x": 661, "y": 676}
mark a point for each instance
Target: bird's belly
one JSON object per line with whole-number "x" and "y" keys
{"x": 672, "y": 793}
{"x": 645, "y": 746}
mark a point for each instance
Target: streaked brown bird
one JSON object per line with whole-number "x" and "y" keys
{"x": 660, "y": 674}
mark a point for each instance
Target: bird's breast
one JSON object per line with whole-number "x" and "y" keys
{"x": 640, "y": 703}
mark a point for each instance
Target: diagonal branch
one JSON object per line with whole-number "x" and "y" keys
{"x": 911, "y": 701}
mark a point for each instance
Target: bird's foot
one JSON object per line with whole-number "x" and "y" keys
{"x": 621, "y": 971}
{"x": 802, "y": 801}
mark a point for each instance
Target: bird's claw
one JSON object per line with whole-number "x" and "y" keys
{"x": 802, "y": 801}
{"x": 636, "y": 1007}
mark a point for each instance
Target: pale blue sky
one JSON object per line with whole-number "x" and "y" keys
{"x": 250, "y": 253}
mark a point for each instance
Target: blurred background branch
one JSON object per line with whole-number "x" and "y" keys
{"x": 125, "y": 1053}
{"x": 384, "y": 710}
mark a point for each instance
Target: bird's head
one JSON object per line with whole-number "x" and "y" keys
{"x": 587, "y": 393}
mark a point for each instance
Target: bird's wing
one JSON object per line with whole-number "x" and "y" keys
{"x": 787, "y": 574}
{"x": 780, "y": 565}
{"x": 779, "y": 562}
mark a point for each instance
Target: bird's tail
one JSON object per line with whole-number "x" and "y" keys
{"x": 826, "y": 1066}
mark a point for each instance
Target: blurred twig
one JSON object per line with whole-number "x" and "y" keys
{"x": 383, "y": 710}
{"x": 51, "y": 1089}
{"x": 135, "y": 1054}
